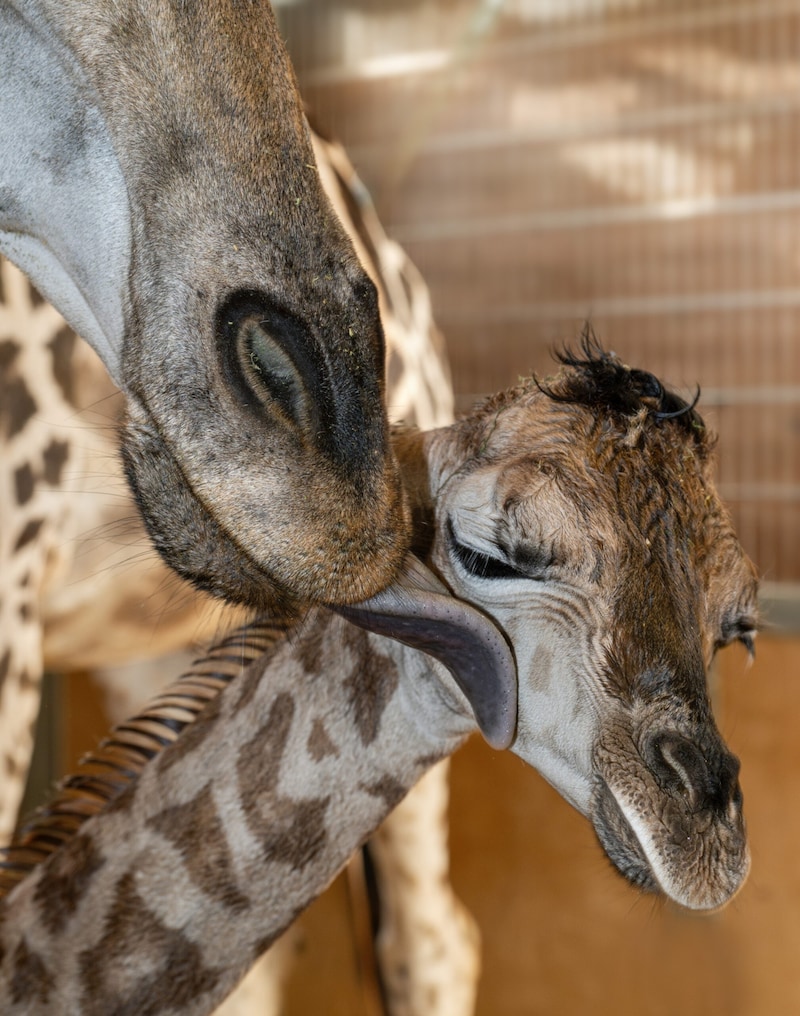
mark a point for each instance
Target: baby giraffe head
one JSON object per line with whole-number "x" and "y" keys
{"x": 581, "y": 517}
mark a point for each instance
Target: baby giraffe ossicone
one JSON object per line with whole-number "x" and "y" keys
{"x": 591, "y": 571}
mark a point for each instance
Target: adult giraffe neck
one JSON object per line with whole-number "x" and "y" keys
{"x": 64, "y": 215}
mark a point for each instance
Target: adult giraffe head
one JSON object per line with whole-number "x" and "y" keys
{"x": 158, "y": 185}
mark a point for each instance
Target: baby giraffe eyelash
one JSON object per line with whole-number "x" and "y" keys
{"x": 748, "y": 640}
{"x": 482, "y": 566}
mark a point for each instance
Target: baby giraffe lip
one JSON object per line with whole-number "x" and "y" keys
{"x": 619, "y": 840}
{"x": 657, "y": 848}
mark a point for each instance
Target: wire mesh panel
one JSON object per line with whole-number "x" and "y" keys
{"x": 633, "y": 163}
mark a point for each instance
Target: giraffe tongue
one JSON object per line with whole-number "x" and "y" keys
{"x": 418, "y": 610}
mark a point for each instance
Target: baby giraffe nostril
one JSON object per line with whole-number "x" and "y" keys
{"x": 704, "y": 780}
{"x": 729, "y": 792}
{"x": 680, "y": 767}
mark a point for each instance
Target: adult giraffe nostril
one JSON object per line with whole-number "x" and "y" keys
{"x": 270, "y": 359}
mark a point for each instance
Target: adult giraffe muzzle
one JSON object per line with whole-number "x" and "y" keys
{"x": 158, "y": 185}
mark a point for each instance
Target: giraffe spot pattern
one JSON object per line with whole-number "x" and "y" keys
{"x": 370, "y": 685}
{"x": 290, "y": 832}
{"x": 298, "y": 842}
{"x": 212, "y": 868}
{"x": 31, "y": 981}
{"x": 5, "y": 666}
{"x": 61, "y": 348}
{"x": 390, "y": 790}
{"x": 319, "y": 743}
{"x": 17, "y": 405}
{"x": 24, "y": 484}
{"x": 55, "y": 457}
{"x": 29, "y": 533}
{"x": 60, "y": 889}
{"x": 9, "y": 351}
{"x": 34, "y": 295}
{"x": 176, "y": 975}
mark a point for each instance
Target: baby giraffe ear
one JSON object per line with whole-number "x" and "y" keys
{"x": 419, "y": 611}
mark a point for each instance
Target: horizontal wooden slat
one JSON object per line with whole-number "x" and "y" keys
{"x": 713, "y": 350}
{"x": 559, "y": 272}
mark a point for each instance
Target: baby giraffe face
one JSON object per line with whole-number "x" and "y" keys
{"x": 597, "y": 543}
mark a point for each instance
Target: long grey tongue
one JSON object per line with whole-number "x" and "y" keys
{"x": 418, "y": 610}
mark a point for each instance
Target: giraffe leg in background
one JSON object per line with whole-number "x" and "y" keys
{"x": 428, "y": 944}
{"x": 20, "y": 688}
{"x": 38, "y": 457}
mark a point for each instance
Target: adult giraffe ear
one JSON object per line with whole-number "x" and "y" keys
{"x": 420, "y": 611}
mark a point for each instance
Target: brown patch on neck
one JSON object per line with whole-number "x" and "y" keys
{"x": 319, "y": 744}
{"x": 135, "y": 939}
{"x": 30, "y": 980}
{"x": 370, "y": 685}
{"x": 63, "y": 884}
{"x": 212, "y": 868}
{"x": 388, "y": 789}
{"x": 291, "y": 832}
